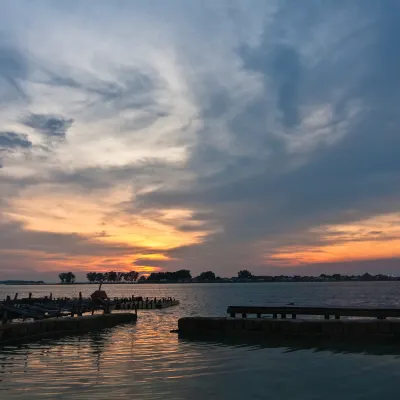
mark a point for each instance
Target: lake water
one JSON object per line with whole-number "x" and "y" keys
{"x": 146, "y": 361}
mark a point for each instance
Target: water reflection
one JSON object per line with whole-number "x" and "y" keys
{"x": 145, "y": 361}
{"x": 287, "y": 344}
{"x": 97, "y": 342}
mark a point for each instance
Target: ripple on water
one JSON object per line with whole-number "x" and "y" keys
{"x": 145, "y": 361}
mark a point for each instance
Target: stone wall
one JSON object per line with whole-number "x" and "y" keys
{"x": 55, "y": 326}
{"x": 365, "y": 328}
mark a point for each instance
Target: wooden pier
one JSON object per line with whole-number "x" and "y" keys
{"x": 30, "y": 317}
{"x": 349, "y": 322}
{"x": 326, "y": 312}
{"x": 144, "y": 303}
{"x": 49, "y": 307}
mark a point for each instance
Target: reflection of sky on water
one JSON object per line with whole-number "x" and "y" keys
{"x": 146, "y": 361}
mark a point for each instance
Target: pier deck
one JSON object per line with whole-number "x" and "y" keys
{"x": 48, "y": 307}
{"x": 326, "y": 312}
{"x": 144, "y": 303}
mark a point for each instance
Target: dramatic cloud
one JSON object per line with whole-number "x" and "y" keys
{"x": 201, "y": 135}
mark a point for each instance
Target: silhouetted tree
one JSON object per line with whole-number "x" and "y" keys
{"x": 207, "y": 276}
{"x": 63, "y": 277}
{"x": 112, "y": 276}
{"x": 181, "y": 275}
{"x": 120, "y": 276}
{"x": 91, "y": 277}
{"x": 70, "y": 277}
{"x": 337, "y": 277}
{"x": 100, "y": 277}
{"x": 67, "y": 277}
{"x": 131, "y": 276}
{"x": 244, "y": 274}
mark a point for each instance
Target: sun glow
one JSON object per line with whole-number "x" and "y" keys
{"x": 105, "y": 218}
{"x": 101, "y": 217}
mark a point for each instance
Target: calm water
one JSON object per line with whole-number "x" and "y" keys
{"x": 145, "y": 361}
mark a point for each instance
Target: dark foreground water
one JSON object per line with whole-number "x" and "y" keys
{"x": 145, "y": 361}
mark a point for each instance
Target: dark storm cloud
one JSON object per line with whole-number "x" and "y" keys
{"x": 283, "y": 64}
{"x": 49, "y": 125}
{"x": 350, "y": 178}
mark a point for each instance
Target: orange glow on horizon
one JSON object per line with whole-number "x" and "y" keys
{"x": 338, "y": 252}
{"x": 62, "y": 262}
{"x": 154, "y": 256}
{"x": 372, "y": 238}
{"x": 101, "y": 218}
{"x": 128, "y": 241}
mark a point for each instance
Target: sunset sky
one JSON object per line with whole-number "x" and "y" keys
{"x": 222, "y": 135}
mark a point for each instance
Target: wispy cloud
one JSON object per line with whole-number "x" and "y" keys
{"x": 13, "y": 140}
{"x": 49, "y": 125}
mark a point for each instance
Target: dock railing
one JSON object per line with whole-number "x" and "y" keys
{"x": 327, "y": 312}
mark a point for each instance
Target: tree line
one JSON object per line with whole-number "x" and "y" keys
{"x": 112, "y": 277}
{"x": 182, "y": 275}
{"x": 185, "y": 275}
{"x": 100, "y": 277}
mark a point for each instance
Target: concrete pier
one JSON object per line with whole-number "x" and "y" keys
{"x": 16, "y": 331}
{"x": 321, "y": 328}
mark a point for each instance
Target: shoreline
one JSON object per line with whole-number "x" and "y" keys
{"x": 190, "y": 283}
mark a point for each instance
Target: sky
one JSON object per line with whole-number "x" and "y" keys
{"x": 212, "y": 135}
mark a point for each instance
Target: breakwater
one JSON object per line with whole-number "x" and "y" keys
{"x": 374, "y": 322}
{"x": 298, "y": 327}
{"x": 16, "y": 331}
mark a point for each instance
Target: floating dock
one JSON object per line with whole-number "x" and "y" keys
{"x": 348, "y": 322}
